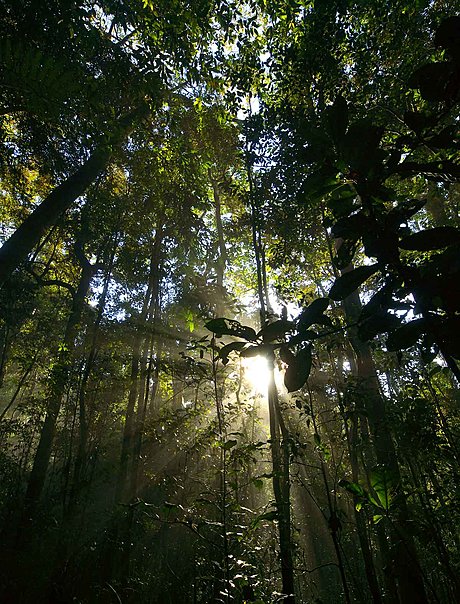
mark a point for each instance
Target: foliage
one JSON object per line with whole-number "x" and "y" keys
{"x": 280, "y": 150}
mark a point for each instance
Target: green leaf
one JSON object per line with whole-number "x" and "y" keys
{"x": 353, "y": 487}
{"x": 431, "y": 239}
{"x": 347, "y": 283}
{"x": 383, "y": 483}
{"x": 303, "y": 336}
{"x": 360, "y": 148}
{"x": 286, "y": 355}
{"x": 447, "y": 34}
{"x": 351, "y": 227}
{"x": 319, "y": 184}
{"x": 341, "y": 202}
{"x": 272, "y": 515}
{"x": 345, "y": 253}
{"x": 377, "y": 323}
{"x": 383, "y": 246}
{"x": 402, "y": 212}
{"x": 418, "y": 121}
{"x": 229, "y": 327}
{"x": 253, "y": 351}
{"x": 229, "y": 444}
{"x": 298, "y": 370}
{"x": 433, "y": 80}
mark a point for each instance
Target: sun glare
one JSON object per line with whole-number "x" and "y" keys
{"x": 257, "y": 373}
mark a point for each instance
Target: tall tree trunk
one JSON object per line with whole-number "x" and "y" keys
{"x": 222, "y": 257}
{"x": 361, "y": 529}
{"x": 122, "y": 494}
{"x": 148, "y": 362}
{"x": 404, "y": 561}
{"x": 16, "y": 249}
{"x": 130, "y": 428}
{"x": 57, "y": 385}
{"x": 82, "y": 450}
{"x": 281, "y": 488}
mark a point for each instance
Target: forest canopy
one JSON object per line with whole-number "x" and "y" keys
{"x": 230, "y": 301}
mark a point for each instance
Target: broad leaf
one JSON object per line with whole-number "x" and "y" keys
{"x": 337, "y": 119}
{"x": 353, "y": 487}
{"x": 447, "y": 35}
{"x": 433, "y": 80}
{"x": 229, "y": 444}
{"x": 345, "y": 253}
{"x": 402, "y": 212}
{"x": 275, "y": 330}
{"x": 304, "y": 336}
{"x": 384, "y": 484}
{"x": 286, "y": 355}
{"x": 379, "y": 323}
{"x": 270, "y": 516}
{"x": 254, "y": 351}
{"x": 379, "y": 302}
{"x": 312, "y": 313}
{"x": 228, "y": 348}
{"x": 298, "y": 370}
{"x": 431, "y": 239}
{"x": 406, "y": 335}
{"x": 418, "y": 121}
{"x": 229, "y": 327}
{"x": 351, "y": 227}
{"x": 347, "y": 283}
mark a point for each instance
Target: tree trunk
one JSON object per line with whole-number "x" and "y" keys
{"x": 361, "y": 529}
{"x": 222, "y": 258}
{"x": 404, "y": 563}
{"x": 16, "y": 249}
{"x": 125, "y": 484}
{"x": 281, "y": 488}
{"x": 82, "y": 450}
{"x": 58, "y": 383}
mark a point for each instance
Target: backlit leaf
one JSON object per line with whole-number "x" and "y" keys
{"x": 347, "y": 283}
{"x": 298, "y": 370}
{"x": 431, "y": 239}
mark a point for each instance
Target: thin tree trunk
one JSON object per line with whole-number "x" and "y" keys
{"x": 404, "y": 563}
{"x": 222, "y": 258}
{"x": 58, "y": 383}
{"x": 147, "y": 362}
{"x": 352, "y": 438}
{"x": 281, "y": 488}
{"x": 19, "y": 386}
{"x": 123, "y": 491}
{"x": 128, "y": 430}
{"x": 82, "y": 450}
